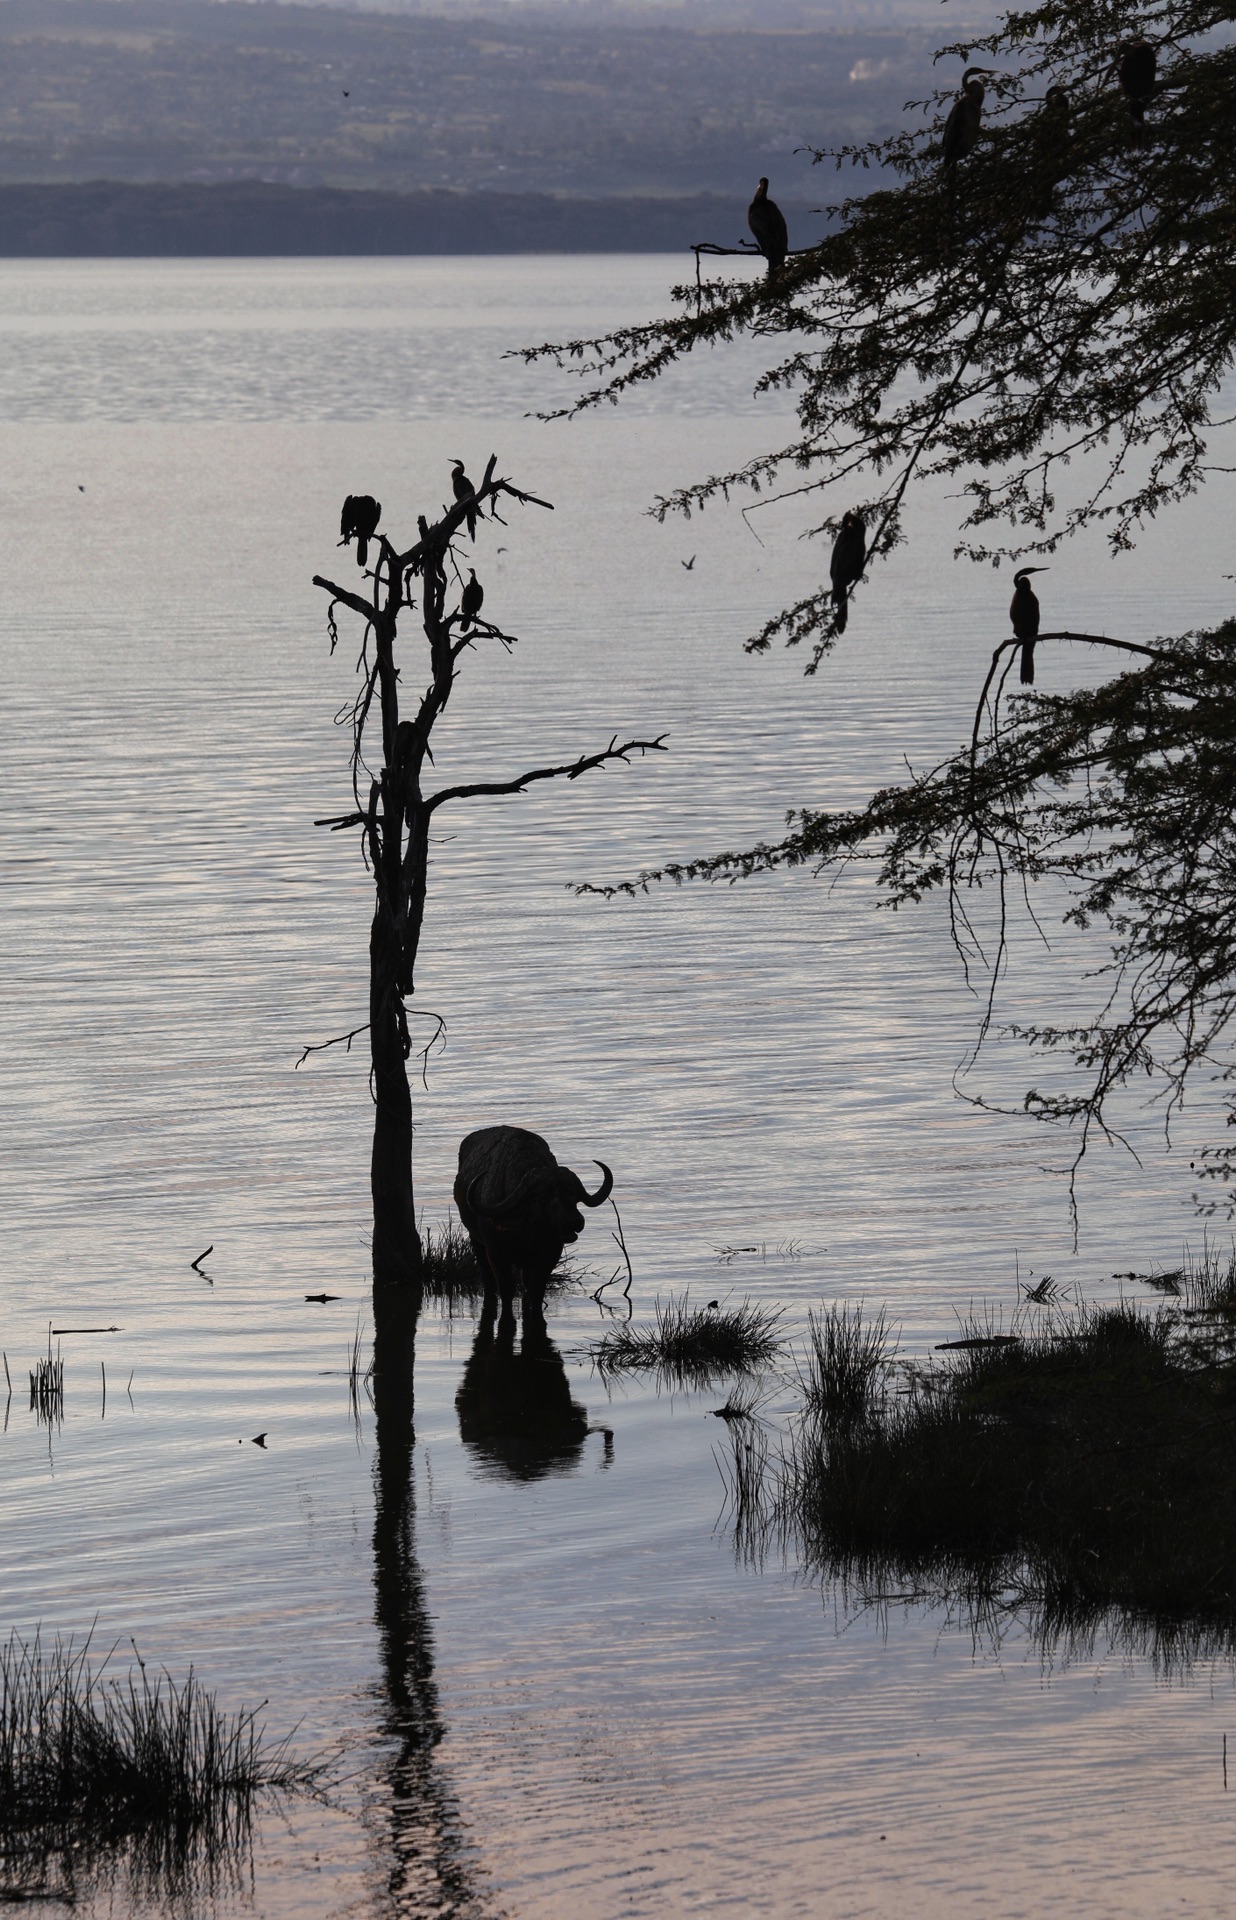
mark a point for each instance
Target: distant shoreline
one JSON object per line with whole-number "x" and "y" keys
{"x": 119, "y": 219}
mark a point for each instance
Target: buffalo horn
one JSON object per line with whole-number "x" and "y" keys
{"x": 603, "y": 1191}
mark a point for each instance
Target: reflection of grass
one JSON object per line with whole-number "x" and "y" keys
{"x": 692, "y": 1345}
{"x": 1083, "y": 1470}
{"x": 92, "y": 1768}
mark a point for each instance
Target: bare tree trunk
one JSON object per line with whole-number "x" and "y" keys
{"x": 396, "y": 1242}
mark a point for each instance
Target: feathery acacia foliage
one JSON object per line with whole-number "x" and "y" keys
{"x": 1048, "y": 321}
{"x": 1064, "y": 291}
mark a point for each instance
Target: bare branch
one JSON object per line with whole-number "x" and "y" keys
{"x": 343, "y": 1040}
{"x": 345, "y": 596}
{"x": 585, "y": 764}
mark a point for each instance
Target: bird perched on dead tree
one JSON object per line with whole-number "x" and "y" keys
{"x": 1024, "y": 613}
{"x": 961, "y": 129}
{"x": 359, "y": 520}
{"x": 846, "y": 566}
{"x": 464, "y": 490}
{"x": 767, "y": 223}
{"x": 1135, "y": 70}
{"x": 471, "y": 601}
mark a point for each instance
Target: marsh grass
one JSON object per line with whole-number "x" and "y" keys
{"x": 692, "y": 1346}
{"x": 1077, "y": 1471}
{"x": 94, "y": 1766}
{"x": 47, "y": 1386}
{"x": 846, "y": 1362}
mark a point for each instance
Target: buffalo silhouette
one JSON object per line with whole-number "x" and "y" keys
{"x": 520, "y": 1208}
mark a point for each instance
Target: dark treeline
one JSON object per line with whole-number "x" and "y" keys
{"x": 116, "y": 218}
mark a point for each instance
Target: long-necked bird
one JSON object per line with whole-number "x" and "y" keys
{"x": 1024, "y": 613}
{"x": 1135, "y": 70}
{"x": 767, "y": 223}
{"x": 465, "y": 490}
{"x": 961, "y": 129}
{"x": 847, "y": 563}
{"x": 359, "y": 519}
{"x": 471, "y": 601}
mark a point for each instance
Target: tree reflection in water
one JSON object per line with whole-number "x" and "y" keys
{"x": 430, "y": 1872}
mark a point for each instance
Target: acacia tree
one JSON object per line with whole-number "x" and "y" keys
{"x": 394, "y": 814}
{"x": 1047, "y": 319}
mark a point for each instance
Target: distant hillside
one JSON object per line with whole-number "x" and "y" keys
{"x": 316, "y": 96}
{"x": 109, "y": 218}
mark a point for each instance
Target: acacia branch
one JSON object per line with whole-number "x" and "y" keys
{"x": 1084, "y": 639}
{"x": 495, "y": 789}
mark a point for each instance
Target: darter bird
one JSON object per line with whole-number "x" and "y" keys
{"x": 1024, "y": 613}
{"x": 846, "y": 566}
{"x": 1135, "y": 71}
{"x": 767, "y": 223}
{"x": 464, "y": 490}
{"x": 360, "y": 516}
{"x": 471, "y": 601}
{"x": 961, "y": 129}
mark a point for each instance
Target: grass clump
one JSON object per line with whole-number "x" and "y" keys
{"x": 691, "y": 1346}
{"x": 846, "y": 1362}
{"x": 1081, "y": 1471}
{"x": 450, "y": 1270}
{"x": 94, "y": 1765}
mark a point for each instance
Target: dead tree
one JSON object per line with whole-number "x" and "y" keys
{"x": 393, "y": 816}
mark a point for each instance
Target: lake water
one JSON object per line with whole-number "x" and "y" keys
{"x": 623, "y": 1718}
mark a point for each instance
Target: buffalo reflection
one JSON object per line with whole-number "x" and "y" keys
{"x": 516, "y": 1412}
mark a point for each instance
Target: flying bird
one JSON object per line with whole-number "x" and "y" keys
{"x": 688, "y": 564}
{"x": 961, "y": 129}
{"x": 1135, "y": 71}
{"x": 767, "y": 223}
{"x": 471, "y": 601}
{"x": 846, "y": 566}
{"x": 345, "y": 93}
{"x": 464, "y": 490}
{"x": 1024, "y": 613}
{"x": 360, "y": 516}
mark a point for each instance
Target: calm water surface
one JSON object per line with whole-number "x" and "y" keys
{"x": 620, "y": 1718}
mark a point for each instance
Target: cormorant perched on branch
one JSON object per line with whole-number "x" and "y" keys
{"x": 961, "y": 129}
{"x": 846, "y": 566}
{"x": 767, "y": 223}
{"x": 1135, "y": 71}
{"x": 471, "y": 601}
{"x": 463, "y": 490}
{"x": 360, "y": 516}
{"x": 1024, "y": 613}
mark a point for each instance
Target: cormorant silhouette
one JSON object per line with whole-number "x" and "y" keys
{"x": 846, "y": 566}
{"x": 471, "y": 601}
{"x": 688, "y": 564}
{"x": 360, "y": 516}
{"x": 463, "y": 490}
{"x": 961, "y": 129}
{"x": 1024, "y": 613}
{"x": 1135, "y": 71}
{"x": 767, "y": 223}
